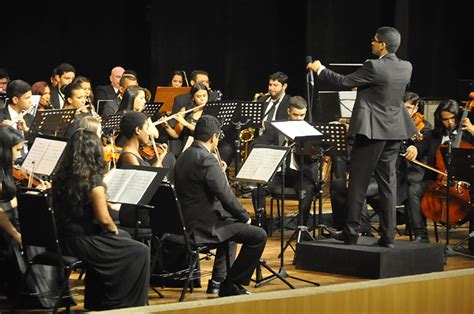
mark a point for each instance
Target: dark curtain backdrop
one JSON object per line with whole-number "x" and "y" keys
{"x": 238, "y": 42}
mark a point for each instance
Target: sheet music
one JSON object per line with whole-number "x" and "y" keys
{"x": 128, "y": 185}
{"x": 45, "y": 154}
{"x": 260, "y": 165}
{"x": 292, "y": 129}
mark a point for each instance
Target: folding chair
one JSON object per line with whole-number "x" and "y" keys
{"x": 38, "y": 229}
{"x": 167, "y": 224}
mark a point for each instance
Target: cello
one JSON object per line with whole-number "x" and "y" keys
{"x": 434, "y": 203}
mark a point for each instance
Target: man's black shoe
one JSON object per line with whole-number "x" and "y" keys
{"x": 235, "y": 289}
{"x": 421, "y": 239}
{"x": 341, "y": 236}
{"x": 383, "y": 243}
{"x": 213, "y": 287}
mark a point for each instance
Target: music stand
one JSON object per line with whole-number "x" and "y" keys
{"x": 463, "y": 159}
{"x": 54, "y": 122}
{"x": 152, "y": 108}
{"x": 260, "y": 167}
{"x": 333, "y": 144}
{"x": 237, "y": 113}
{"x": 111, "y": 124}
{"x": 101, "y": 104}
{"x": 306, "y": 138}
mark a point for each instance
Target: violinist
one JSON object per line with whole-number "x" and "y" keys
{"x": 11, "y": 145}
{"x": 75, "y": 98}
{"x": 414, "y": 105}
{"x": 447, "y": 117}
{"x": 85, "y": 83}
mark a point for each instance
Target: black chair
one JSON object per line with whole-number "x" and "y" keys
{"x": 38, "y": 229}
{"x": 167, "y": 224}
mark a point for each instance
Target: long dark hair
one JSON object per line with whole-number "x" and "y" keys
{"x": 81, "y": 168}
{"x": 129, "y": 98}
{"x": 9, "y": 137}
{"x": 448, "y": 105}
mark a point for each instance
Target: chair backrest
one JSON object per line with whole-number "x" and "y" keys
{"x": 167, "y": 216}
{"x": 37, "y": 223}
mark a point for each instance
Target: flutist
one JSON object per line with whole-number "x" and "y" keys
{"x": 15, "y": 113}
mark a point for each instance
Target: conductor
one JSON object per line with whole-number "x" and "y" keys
{"x": 379, "y": 122}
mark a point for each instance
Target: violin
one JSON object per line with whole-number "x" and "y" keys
{"x": 23, "y": 175}
{"x": 417, "y": 119}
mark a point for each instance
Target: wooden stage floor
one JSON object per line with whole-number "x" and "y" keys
{"x": 270, "y": 255}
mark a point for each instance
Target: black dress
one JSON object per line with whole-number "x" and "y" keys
{"x": 118, "y": 267}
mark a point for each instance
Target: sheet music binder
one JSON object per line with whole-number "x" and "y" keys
{"x": 262, "y": 163}
{"x": 297, "y": 130}
{"x": 54, "y": 122}
{"x": 45, "y": 154}
{"x": 134, "y": 185}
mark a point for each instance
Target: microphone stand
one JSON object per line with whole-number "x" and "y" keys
{"x": 310, "y": 94}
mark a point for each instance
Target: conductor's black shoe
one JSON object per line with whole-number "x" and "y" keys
{"x": 234, "y": 289}
{"x": 213, "y": 287}
{"x": 341, "y": 236}
{"x": 384, "y": 243}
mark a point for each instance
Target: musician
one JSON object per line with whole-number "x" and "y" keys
{"x": 276, "y": 102}
{"x": 212, "y": 212}
{"x": 75, "y": 98}
{"x": 185, "y": 100}
{"x": 447, "y": 117}
{"x": 177, "y": 79}
{"x": 4, "y": 79}
{"x": 87, "y": 87}
{"x": 296, "y": 111}
{"x": 118, "y": 268}
{"x": 111, "y": 107}
{"x": 65, "y": 73}
{"x": 379, "y": 122}
{"x": 14, "y": 114}
{"x": 111, "y": 91}
{"x": 42, "y": 89}
{"x": 414, "y": 105}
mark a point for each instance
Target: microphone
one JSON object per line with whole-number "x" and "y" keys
{"x": 309, "y": 59}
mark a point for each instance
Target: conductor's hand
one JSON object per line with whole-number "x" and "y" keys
{"x": 314, "y": 66}
{"x": 223, "y": 166}
{"x": 411, "y": 153}
{"x": 249, "y": 221}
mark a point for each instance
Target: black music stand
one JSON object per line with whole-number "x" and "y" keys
{"x": 152, "y": 108}
{"x": 237, "y": 113}
{"x": 459, "y": 167}
{"x": 260, "y": 167}
{"x": 333, "y": 144}
{"x": 54, "y": 122}
{"x": 111, "y": 124}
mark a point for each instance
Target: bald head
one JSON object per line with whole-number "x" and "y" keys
{"x": 115, "y": 76}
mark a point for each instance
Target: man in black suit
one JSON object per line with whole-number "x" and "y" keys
{"x": 66, "y": 74}
{"x": 212, "y": 212}
{"x": 379, "y": 122}
{"x": 296, "y": 111}
{"x": 105, "y": 93}
{"x": 276, "y": 101}
{"x": 111, "y": 107}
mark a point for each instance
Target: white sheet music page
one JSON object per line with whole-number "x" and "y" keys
{"x": 260, "y": 165}
{"x": 292, "y": 129}
{"x": 127, "y": 185}
{"x": 45, "y": 154}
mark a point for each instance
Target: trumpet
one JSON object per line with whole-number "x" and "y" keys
{"x": 173, "y": 116}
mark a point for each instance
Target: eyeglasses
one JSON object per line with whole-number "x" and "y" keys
{"x": 376, "y": 41}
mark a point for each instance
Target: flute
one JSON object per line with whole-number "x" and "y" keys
{"x": 174, "y": 115}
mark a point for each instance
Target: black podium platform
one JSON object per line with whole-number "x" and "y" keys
{"x": 368, "y": 260}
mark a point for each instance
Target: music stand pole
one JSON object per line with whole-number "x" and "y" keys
{"x": 282, "y": 274}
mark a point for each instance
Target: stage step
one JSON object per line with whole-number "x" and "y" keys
{"x": 367, "y": 260}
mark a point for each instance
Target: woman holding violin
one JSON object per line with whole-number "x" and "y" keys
{"x": 447, "y": 123}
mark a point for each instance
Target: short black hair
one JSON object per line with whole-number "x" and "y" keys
{"x": 279, "y": 76}
{"x": 390, "y": 36}
{"x": 17, "y": 88}
{"x": 63, "y": 68}
{"x": 206, "y": 127}
{"x": 195, "y": 73}
{"x": 130, "y": 121}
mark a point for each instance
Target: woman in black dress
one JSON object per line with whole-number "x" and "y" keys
{"x": 118, "y": 268}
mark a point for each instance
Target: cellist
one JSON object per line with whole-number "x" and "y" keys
{"x": 447, "y": 116}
